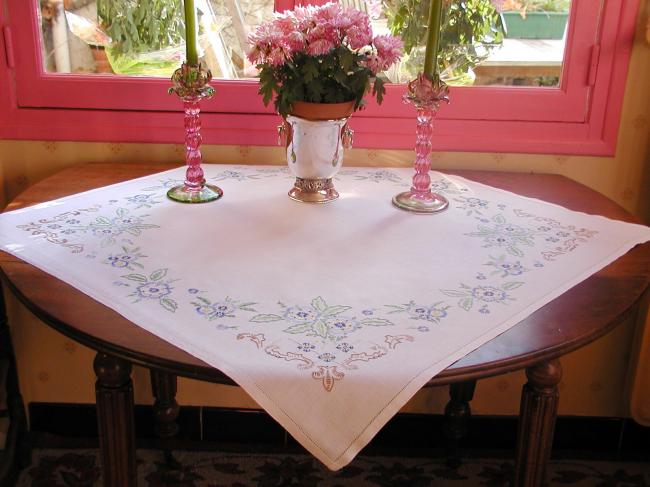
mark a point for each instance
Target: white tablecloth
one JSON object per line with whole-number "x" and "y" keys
{"x": 330, "y": 316}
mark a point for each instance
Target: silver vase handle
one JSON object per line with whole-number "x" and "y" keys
{"x": 347, "y": 136}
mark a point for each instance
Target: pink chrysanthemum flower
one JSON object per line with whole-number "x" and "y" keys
{"x": 389, "y": 49}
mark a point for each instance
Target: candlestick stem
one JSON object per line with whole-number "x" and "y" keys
{"x": 426, "y": 96}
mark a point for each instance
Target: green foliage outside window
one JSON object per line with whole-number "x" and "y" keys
{"x": 147, "y": 35}
{"x": 469, "y": 29}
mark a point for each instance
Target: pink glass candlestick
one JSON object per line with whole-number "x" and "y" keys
{"x": 426, "y": 96}
{"x": 191, "y": 85}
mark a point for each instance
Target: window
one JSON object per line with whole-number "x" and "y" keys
{"x": 575, "y": 110}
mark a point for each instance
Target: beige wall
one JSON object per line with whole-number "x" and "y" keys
{"x": 53, "y": 368}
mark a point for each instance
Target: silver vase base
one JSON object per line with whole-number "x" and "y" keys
{"x": 187, "y": 194}
{"x": 313, "y": 191}
{"x": 420, "y": 203}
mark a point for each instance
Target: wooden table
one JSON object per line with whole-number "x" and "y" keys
{"x": 581, "y": 315}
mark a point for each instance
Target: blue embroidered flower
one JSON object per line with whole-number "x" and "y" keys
{"x": 368, "y": 312}
{"x": 72, "y": 221}
{"x": 484, "y": 309}
{"x": 500, "y": 233}
{"x": 506, "y": 268}
{"x": 327, "y": 357}
{"x": 552, "y": 239}
{"x": 340, "y": 327}
{"x": 154, "y": 287}
{"x": 143, "y": 200}
{"x": 296, "y": 313}
{"x": 236, "y": 175}
{"x": 487, "y": 294}
{"x": 344, "y": 347}
{"x": 320, "y": 320}
{"x": 193, "y": 291}
{"x": 154, "y": 290}
{"x": 306, "y": 347}
{"x": 472, "y": 205}
{"x": 423, "y": 329}
{"x": 219, "y": 309}
{"x": 108, "y": 229}
{"x": 433, "y": 313}
{"x": 127, "y": 259}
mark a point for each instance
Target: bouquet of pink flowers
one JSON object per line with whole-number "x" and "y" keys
{"x": 323, "y": 54}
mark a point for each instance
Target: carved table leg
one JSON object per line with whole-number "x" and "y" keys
{"x": 114, "y": 395}
{"x": 539, "y": 401}
{"x": 457, "y": 414}
{"x": 165, "y": 408}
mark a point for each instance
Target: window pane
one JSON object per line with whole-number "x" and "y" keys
{"x": 483, "y": 42}
{"x": 146, "y": 37}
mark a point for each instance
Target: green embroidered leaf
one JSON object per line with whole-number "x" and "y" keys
{"x": 514, "y": 251}
{"x": 466, "y": 303}
{"x": 320, "y": 328}
{"x": 299, "y": 328}
{"x": 511, "y": 285}
{"x": 376, "y": 322}
{"x": 335, "y": 310}
{"x": 157, "y": 275}
{"x": 203, "y": 300}
{"x": 319, "y": 304}
{"x": 247, "y": 307}
{"x": 169, "y": 304}
{"x": 136, "y": 277}
{"x": 266, "y": 318}
{"x": 499, "y": 219}
{"x": 121, "y": 212}
{"x": 135, "y": 231}
{"x": 396, "y": 308}
{"x": 102, "y": 220}
{"x": 453, "y": 294}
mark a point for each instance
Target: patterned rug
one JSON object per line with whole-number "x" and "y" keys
{"x": 80, "y": 468}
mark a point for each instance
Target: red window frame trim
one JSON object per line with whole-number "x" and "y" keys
{"x": 574, "y": 119}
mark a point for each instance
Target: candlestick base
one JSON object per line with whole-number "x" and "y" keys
{"x": 420, "y": 203}
{"x": 186, "y": 194}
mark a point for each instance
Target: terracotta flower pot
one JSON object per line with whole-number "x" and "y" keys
{"x": 322, "y": 111}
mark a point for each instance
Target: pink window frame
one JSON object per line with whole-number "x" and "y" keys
{"x": 581, "y": 117}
